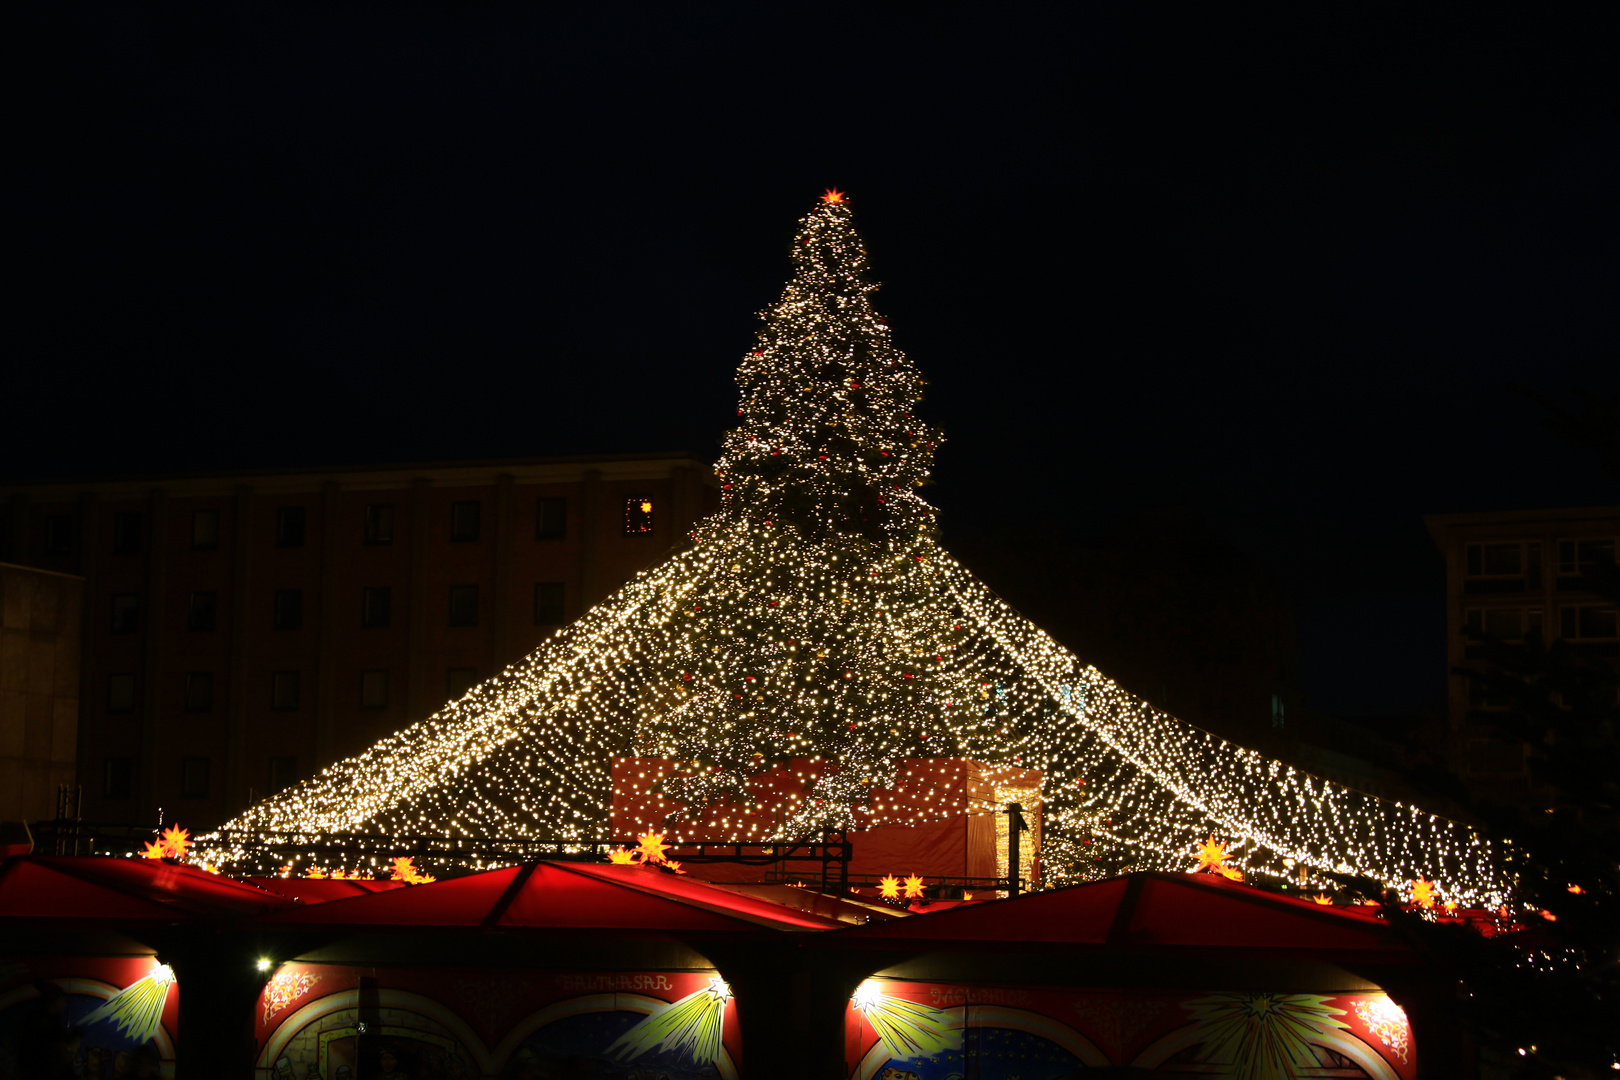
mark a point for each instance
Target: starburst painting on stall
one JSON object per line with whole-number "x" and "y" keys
{"x": 817, "y": 617}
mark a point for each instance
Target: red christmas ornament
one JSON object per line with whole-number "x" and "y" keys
{"x": 686, "y": 676}
{"x": 853, "y": 726}
{"x": 908, "y": 674}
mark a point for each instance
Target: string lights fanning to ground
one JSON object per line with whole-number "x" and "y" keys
{"x": 815, "y": 616}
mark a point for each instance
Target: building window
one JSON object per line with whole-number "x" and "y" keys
{"x": 194, "y": 778}
{"x": 116, "y": 773}
{"x": 290, "y": 526}
{"x": 464, "y": 521}
{"x": 1578, "y": 557}
{"x": 126, "y": 613}
{"x": 287, "y": 613}
{"x": 1502, "y": 624}
{"x": 204, "y": 530}
{"x": 199, "y": 691}
{"x": 121, "y": 693}
{"x": 459, "y": 680}
{"x": 376, "y": 606}
{"x": 284, "y": 691}
{"x": 283, "y": 773}
{"x": 638, "y": 515}
{"x": 380, "y": 523}
{"x": 1512, "y": 566}
{"x": 59, "y": 534}
{"x": 550, "y": 519}
{"x": 548, "y": 603}
{"x": 1588, "y": 622}
{"x": 374, "y": 689}
{"x": 1279, "y": 718}
{"x": 127, "y": 533}
{"x": 201, "y": 612}
{"x": 463, "y": 605}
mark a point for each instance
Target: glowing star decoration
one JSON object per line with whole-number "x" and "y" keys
{"x": 833, "y": 197}
{"x": 153, "y": 850}
{"x": 175, "y": 841}
{"x": 1323, "y": 899}
{"x": 316, "y": 873}
{"x": 914, "y": 887}
{"x": 822, "y": 513}
{"x": 889, "y": 888}
{"x": 651, "y": 847}
{"x": 404, "y": 869}
{"x": 1211, "y": 856}
{"x": 1423, "y": 893}
{"x": 137, "y": 1009}
{"x": 621, "y": 856}
{"x": 671, "y": 864}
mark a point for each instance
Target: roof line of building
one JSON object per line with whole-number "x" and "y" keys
{"x": 319, "y": 470}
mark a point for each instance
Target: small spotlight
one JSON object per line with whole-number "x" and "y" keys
{"x": 263, "y": 964}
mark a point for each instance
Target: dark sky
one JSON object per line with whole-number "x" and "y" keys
{"x": 1277, "y": 266}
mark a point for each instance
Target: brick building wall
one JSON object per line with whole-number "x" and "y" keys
{"x": 39, "y": 688}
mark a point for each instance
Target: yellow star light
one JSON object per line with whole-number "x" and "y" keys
{"x": 652, "y": 847}
{"x": 1322, "y": 898}
{"x": 316, "y": 873}
{"x": 621, "y": 856}
{"x": 154, "y": 850}
{"x": 914, "y": 886}
{"x": 889, "y": 888}
{"x": 1423, "y": 893}
{"x": 1211, "y": 856}
{"x": 175, "y": 841}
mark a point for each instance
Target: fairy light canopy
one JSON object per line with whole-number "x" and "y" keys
{"x": 815, "y": 617}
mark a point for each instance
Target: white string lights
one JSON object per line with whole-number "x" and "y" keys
{"x": 816, "y": 617}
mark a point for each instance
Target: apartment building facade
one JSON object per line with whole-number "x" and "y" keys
{"x": 1506, "y": 575}
{"x": 242, "y": 631}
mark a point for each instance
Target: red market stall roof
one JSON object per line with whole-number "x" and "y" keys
{"x": 112, "y": 889}
{"x": 1146, "y": 912}
{"x": 320, "y": 890}
{"x": 851, "y": 912}
{"x": 551, "y": 895}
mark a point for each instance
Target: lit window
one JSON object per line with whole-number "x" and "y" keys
{"x": 638, "y": 515}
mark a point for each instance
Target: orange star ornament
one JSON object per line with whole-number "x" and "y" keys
{"x": 154, "y": 850}
{"x": 889, "y": 888}
{"x": 1423, "y": 893}
{"x": 834, "y": 197}
{"x": 175, "y": 841}
{"x": 651, "y": 848}
{"x": 914, "y": 886}
{"x": 621, "y": 856}
{"x": 1323, "y": 898}
{"x": 1211, "y": 856}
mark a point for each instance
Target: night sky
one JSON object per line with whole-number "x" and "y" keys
{"x": 1271, "y": 265}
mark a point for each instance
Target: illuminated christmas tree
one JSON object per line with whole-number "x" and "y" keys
{"x": 815, "y": 617}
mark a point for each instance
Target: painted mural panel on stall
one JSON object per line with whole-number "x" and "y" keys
{"x": 101, "y": 1017}
{"x": 898, "y": 1030}
{"x": 329, "y": 1022}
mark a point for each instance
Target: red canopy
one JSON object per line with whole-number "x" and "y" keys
{"x": 320, "y": 890}
{"x": 123, "y": 890}
{"x": 560, "y": 896}
{"x": 1146, "y": 912}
